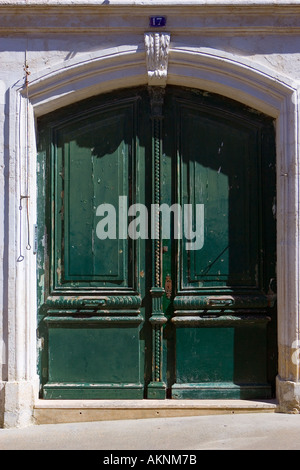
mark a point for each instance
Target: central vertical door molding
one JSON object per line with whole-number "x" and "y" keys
{"x": 157, "y": 49}
{"x": 157, "y": 388}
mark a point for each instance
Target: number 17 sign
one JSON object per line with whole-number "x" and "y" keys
{"x": 158, "y": 21}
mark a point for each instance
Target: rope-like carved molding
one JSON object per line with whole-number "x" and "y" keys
{"x": 157, "y": 52}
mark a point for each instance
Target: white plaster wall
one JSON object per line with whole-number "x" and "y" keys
{"x": 249, "y": 51}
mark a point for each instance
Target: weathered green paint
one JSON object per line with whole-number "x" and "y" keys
{"x": 107, "y": 328}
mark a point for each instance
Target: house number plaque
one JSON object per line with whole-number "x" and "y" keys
{"x": 158, "y": 21}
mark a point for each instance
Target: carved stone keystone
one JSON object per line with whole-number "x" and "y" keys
{"x": 157, "y": 51}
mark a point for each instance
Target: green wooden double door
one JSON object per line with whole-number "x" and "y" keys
{"x": 156, "y": 248}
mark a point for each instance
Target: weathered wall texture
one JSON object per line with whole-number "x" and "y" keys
{"x": 249, "y": 51}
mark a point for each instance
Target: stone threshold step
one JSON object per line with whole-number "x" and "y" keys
{"x": 73, "y": 411}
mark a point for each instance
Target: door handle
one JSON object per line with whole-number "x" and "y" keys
{"x": 168, "y": 286}
{"x": 221, "y": 302}
{"x": 94, "y": 303}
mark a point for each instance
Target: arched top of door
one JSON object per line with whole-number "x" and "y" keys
{"x": 239, "y": 78}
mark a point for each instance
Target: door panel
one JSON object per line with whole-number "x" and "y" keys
{"x": 217, "y": 171}
{"x": 178, "y": 317}
{"x": 96, "y": 158}
{"x": 84, "y": 349}
{"x": 219, "y": 161}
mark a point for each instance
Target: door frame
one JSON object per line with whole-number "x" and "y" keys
{"x": 244, "y": 80}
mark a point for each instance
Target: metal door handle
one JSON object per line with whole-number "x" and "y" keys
{"x": 168, "y": 286}
{"x": 94, "y": 302}
{"x": 221, "y": 302}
